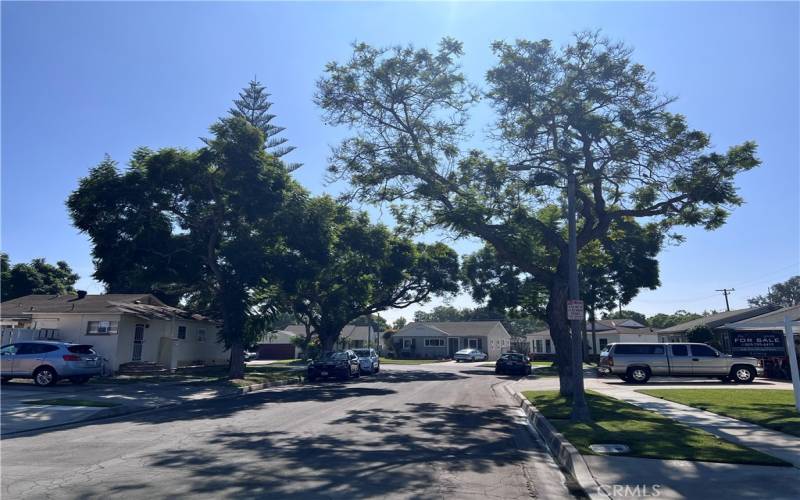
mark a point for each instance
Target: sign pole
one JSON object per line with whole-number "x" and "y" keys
{"x": 790, "y": 350}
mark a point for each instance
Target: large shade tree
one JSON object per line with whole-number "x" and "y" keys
{"x": 359, "y": 269}
{"x": 209, "y": 226}
{"x": 587, "y": 108}
{"x": 785, "y": 294}
{"x": 35, "y": 277}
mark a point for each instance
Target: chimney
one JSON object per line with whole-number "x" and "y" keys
{"x": 81, "y": 294}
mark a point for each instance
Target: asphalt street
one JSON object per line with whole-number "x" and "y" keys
{"x": 429, "y": 431}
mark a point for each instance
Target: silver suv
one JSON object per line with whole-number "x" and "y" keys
{"x": 47, "y": 362}
{"x": 636, "y": 363}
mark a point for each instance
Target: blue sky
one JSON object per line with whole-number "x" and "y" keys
{"x": 83, "y": 80}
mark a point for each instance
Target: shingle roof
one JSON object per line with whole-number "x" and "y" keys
{"x": 623, "y": 325}
{"x": 457, "y": 327}
{"x": 771, "y": 318}
{"x": 138, "y": 304}
{"x": 719, "y": 319}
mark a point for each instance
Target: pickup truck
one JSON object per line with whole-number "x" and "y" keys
{"x": 636, "y": 363}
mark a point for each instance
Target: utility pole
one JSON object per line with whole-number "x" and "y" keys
{"x": 725, "y": 292}
{"x": 580, "y": 410}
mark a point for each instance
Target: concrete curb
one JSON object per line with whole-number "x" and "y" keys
{"x": 121, "y": 410}
{"x": 562, "y": 451}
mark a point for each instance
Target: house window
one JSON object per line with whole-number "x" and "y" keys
{"x": 407, "y": 343}
{"x": 539, "y": 345}
{"x": 201, "y": 335}
{"x": 603, "y": 344}
{"x": 547, "y": 346}
{"x": 182, "y": 332}
{"x": 474, "y": 343}
{"x": 434, "y": 342}
{"x": 101, "y": 327}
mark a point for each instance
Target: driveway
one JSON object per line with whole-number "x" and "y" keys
{"x": 426, "y": 431}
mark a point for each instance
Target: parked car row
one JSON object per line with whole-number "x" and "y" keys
{"x": 344, "y": 365}
{"x": 46, "y": 362}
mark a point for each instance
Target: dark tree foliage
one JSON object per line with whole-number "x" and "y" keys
{"x": 628, "y": 314}
{"x": 253, "y": 105}
{"x": 210, "y": 227}
{"x": 36, "y": 277}
{"x": 357, "y": 269}
{"x": 586, "y": 108}
{"x": 662, "y": 320}
{"x": 786, "y": 294}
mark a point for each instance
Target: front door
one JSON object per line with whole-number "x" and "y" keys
{"x": 452, "y": 346}
{"x": 138, "y": 340}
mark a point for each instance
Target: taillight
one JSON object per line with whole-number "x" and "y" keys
{"x": 71, "y": 357}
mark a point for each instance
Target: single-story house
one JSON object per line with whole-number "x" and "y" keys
{"x": 678, "y": 333}
{"x": 606, "y": 331}
{"x": 278, "y": 345}
{"x": 444, "y": 339}
{"x": 351, "y": 336}
{"x": 122, "y": 328}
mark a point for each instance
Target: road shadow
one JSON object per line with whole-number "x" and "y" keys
{"x": 403, "y": 452}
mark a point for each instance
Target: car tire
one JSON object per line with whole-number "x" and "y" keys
{"x": 638, "y": 375}
{"x": 79, "y": 380}
{"x": 377, "y": 368}
{"x": 45, "y": 376}
{"x": 743, "y": 374}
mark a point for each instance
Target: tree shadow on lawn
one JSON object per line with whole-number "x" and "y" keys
{"x": 403, "y": 452}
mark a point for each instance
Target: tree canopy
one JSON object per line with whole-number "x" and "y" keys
{"x": 586, "y": 108}
{"x": 210, "y": 227}
{"x": 253, "y": 105}
{"x": 359, "y": 269}
{"x": 785, "y": 294}
{"x": 36, "y": 277}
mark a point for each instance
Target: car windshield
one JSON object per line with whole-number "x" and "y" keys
{"x": 335, "y": 356}
{"x": 362, "y": 353}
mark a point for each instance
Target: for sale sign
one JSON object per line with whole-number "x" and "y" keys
{"x": 575, "y": 310}
{"x": 757, "y": 344}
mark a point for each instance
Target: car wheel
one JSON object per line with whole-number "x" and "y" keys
{"x": 743, "y": 374}
{"x": 45, "y": 376}
{"x": 377, "y": 368}
{"x": 79, "y": 380}
{"x": 638, "y": 375}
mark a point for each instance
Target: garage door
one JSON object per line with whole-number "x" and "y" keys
{"x": 275, "y": 351}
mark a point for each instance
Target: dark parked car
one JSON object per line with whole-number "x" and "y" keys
{"x": 339, "y": 364}
{"x": 512, "y": 362}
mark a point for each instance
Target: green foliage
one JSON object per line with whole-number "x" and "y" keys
{"x": 209, "y": 227}
{"x": 628, "y": 314}
{"x": 784, "y": 294}
{"x": 700, "y": 333}
{"x": 661, "y": 320}
{"x": 253, "y": 105}
{"x": 378, "y": 322}
{"x": 354, "y": 268}
{"x": 588, "y": 108}
{"x": 399, "y": 323}
{"x": 36, "y": 277}
{"x": 515, "y": 324}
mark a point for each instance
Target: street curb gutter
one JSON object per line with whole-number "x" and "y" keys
{"x": 118, "y": 411}
{"x": 564, "y": 453}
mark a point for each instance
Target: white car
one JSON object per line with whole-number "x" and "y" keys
{"x": 470, "y": 355}
{"x": 368, "y": 360}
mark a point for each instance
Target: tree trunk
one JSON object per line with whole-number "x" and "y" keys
{"x": 559, "y": 331}
{"x": 236, "y": 367}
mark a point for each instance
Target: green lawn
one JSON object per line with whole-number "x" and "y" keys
{"x": 769, "y": 408}
{"x": 71, "y": 402}
{"x": 390, "y": 361}
{"x": 648, "y": 434}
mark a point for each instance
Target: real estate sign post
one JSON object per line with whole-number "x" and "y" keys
{"x": 790, "y": 351}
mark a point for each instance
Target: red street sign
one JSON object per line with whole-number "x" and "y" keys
{"x": 575, "y": 310}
